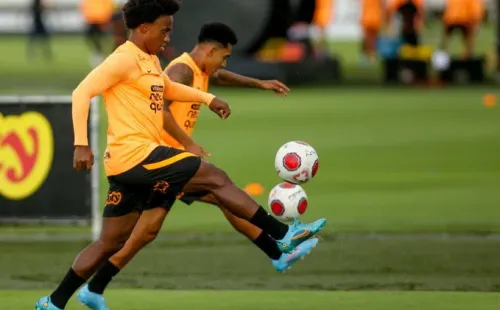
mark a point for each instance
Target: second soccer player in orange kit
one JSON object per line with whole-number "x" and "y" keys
{"x": 202, "y": 65}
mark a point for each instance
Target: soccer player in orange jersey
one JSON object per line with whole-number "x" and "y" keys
{"x": 372, "y": 20}
{"x": 144, "y": 175}
{"x": 203, "y": 64}
{"x": 464, "y": 16}
{"x": 412, "y": 19}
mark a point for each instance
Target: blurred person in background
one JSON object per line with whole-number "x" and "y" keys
{"x": 321, "y": 18}
{"x": 411, "y": 13}
{"x": 118, "y": 28}
{"x": 97, "y": 15}
{"x": 39, "y": 35}
{"x": 317, "y": 13}
{"x": 463, "y": 16}
{"x": 372, "y": 21}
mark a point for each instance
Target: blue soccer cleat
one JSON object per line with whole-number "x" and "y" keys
{"x": 286, "y": 260}
{"x": 297, "y": 233}
{"x": 45, "y": 304}
{"x": 92, "y": 300}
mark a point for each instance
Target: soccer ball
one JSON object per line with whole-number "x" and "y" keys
{"x": 296, "y": 162}
{"x": 287, "y": 201}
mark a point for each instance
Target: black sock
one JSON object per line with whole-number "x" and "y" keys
{"x": 268, "y": 246}
{"x": 102, "y": 278}
{"x": 65, "y": 290}
{"x": 269, "y": 224}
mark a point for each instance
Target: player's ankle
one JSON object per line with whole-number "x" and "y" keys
{"x": 269, "y": 224}
{"x": 102, "y": 278}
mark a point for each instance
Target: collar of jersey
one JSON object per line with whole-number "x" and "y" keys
{"x": 194, "y": 65}
{"x": 140, "y": 53}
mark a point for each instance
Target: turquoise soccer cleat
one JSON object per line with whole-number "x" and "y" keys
{"x": 44, "y": 303}
{"x": 299, "y": 232}
{"x": 286, "y": 261}
{"x": 92, "y": 300}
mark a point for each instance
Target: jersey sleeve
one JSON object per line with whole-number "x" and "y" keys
{"x": 178, "y": 92}
{"x": 115, "y": 69}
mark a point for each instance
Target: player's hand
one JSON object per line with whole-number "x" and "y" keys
{"x": 220, "y": 107}
{"x": 83, "y": 159}
{"x": 279, "y": 88}
{"x": 197, "y": 150}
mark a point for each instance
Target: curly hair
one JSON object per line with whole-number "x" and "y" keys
{"x": 137, "y": 12}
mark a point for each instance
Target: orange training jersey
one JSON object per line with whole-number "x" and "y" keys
{"x": 97, "y": 11}
{"x": 133, "y": 86}
{"x": 186, "y": 113}
{"x": 323, "y": 13}
{"x": 136, "y": 122}
{"x": 463, "y": 12}
{"x": 372, "y": 14}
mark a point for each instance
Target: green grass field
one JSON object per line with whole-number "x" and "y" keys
{"x": 227, "y": 262}
{"x": 247, "y": 300}
{"x": 403, "y": 162}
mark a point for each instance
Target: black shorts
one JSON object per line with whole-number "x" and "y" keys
{"x": 189, "y": 198}
{"x": 464, "y": 29}
{"x": 153, "y": 183}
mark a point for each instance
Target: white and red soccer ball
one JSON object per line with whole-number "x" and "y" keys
{"x": 287, "y": 201}
{"x": 296, "y": 162}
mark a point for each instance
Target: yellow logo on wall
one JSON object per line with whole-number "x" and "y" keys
{"x": 26, "y": 154}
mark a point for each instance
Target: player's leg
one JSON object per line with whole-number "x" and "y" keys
{"x": 281, "y": 261}
{"x": 47, "y": 48}
{"x": 171, "y": 170}
{"x": 262, "y": 240}
{"x": 371, "y": 38}
{"x": 214, "y": 180}
{"x": 364, "y": 46}
{"x": 448, "y": 30}
{"x": 167, "y": 180}
{"x": 119, "y": 218}
{"x": 469, "y": 39}
{"x": 94, "y": 34}
{"x": 145, "y": 231}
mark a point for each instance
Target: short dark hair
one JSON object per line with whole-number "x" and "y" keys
{"x": 137, "y": 12}
{"x": 219, "y": 33}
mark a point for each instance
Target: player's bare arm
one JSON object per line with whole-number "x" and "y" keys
{"x": 182, "y": 74}
{"x": 227, "y": 78}
{"x": 178, "y": 92}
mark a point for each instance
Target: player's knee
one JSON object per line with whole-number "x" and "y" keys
{"x": 219, "y": 178}
{"x": 210, "y": 199}
{"x": 149, "y": 235}
{"x": 109, "y": 246}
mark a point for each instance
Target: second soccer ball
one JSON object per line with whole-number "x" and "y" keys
{"x": 287, "y": 201}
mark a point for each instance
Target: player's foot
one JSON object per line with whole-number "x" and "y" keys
{"x": 92, "y": 300}
{"x": 299, "y": 232}
{"x": 45, "y": 304}
{"x": 286, "y": 260}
